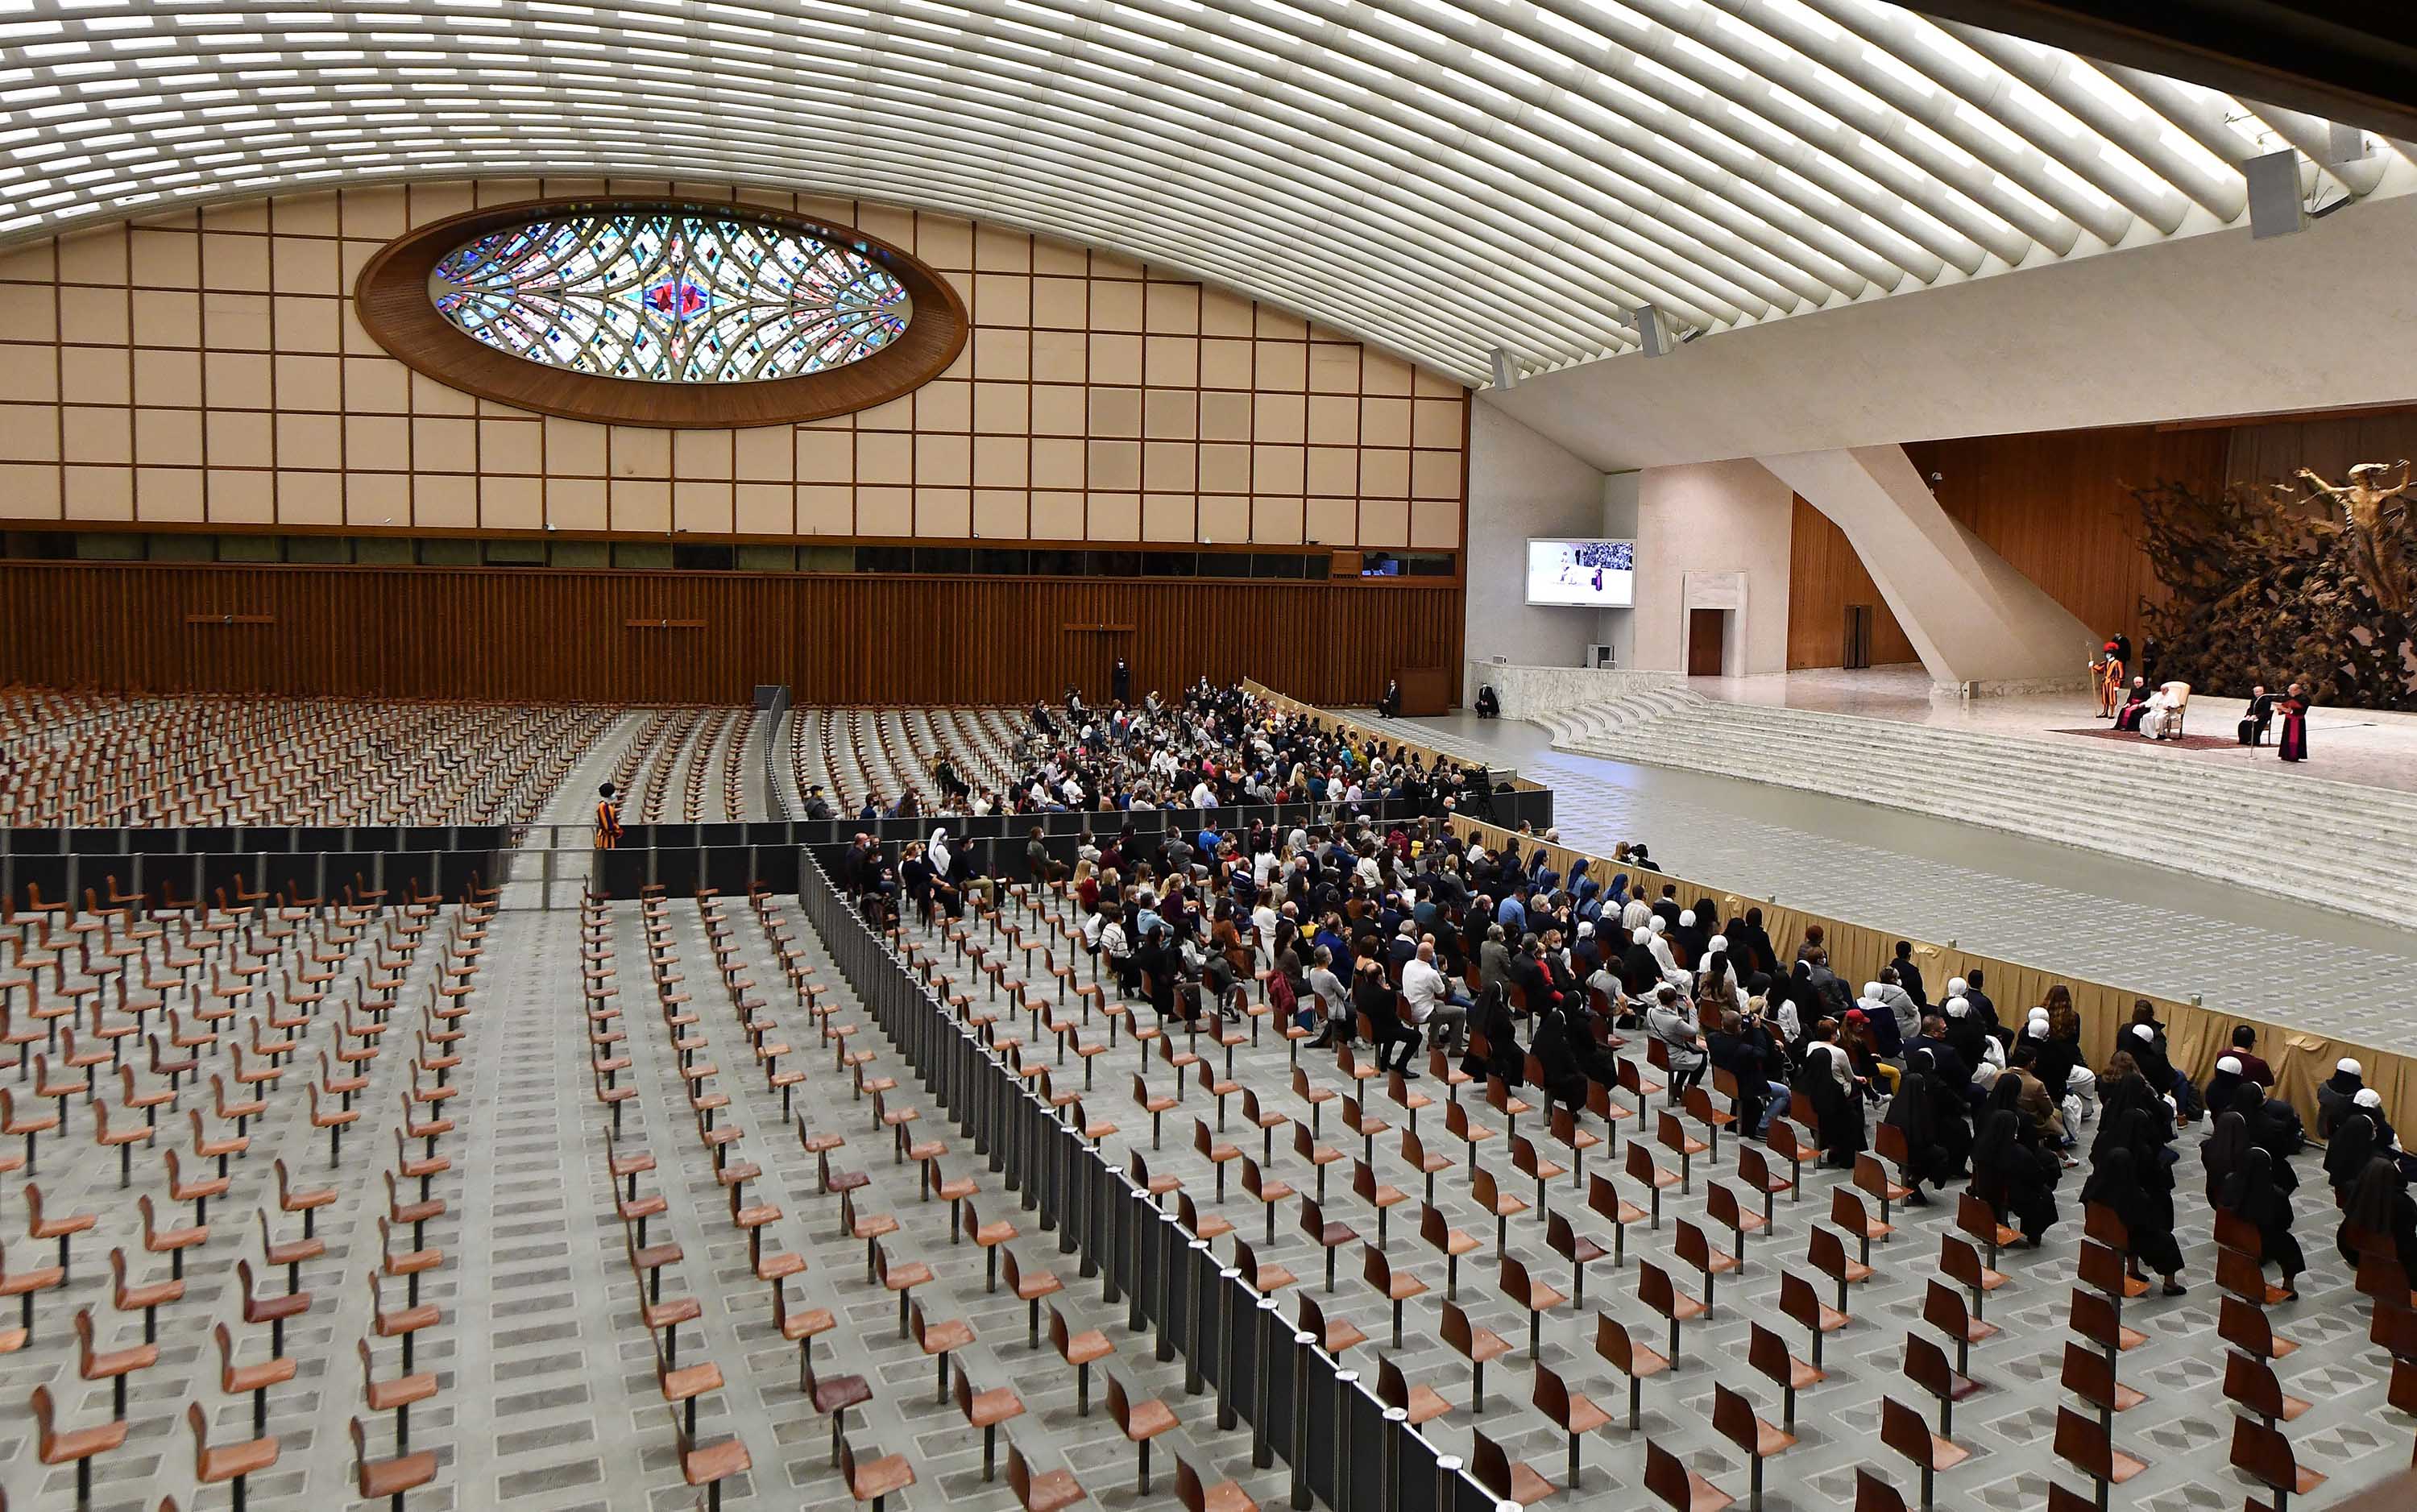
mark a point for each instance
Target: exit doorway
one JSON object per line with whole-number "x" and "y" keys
{"x": 1857, "y": 641}
{"x": 1708, "y": 634}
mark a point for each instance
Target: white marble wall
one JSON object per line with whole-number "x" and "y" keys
{"x": 1528, "y": 692}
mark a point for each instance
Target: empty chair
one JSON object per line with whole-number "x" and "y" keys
{"x": 2265, "y": 1457}
{"x": 986, "y": 1411}
{"x": 1508, "y": 1481}
{"x": 1139, "y": 1423}
{"x": 1654, "y": 1290}
{"x": 1192, "y": 1495}
{"x": 2250, "y": 1382}
{"x": 1080, "y": 1351}
{"x": 1531, "y": 1294}
{"x": 113, "y": 1365}
{"x": 1628, "y": 1358}
{"x": 1048, "y": 1492}
{"x": 1733, "y": 1419}
{"x": 873, "y": 1480}
{"x": 1677, "y": 1486}
{"x": 1942, "y": 1309}
{"x": 1474, "y": 1345}
{"x": 1903, "y": 1430}
{"x": 1574, "y": 1413}
{"x": 75, "y": 1446}
{"x": 1797, "y": 1302}
{"x": 236, "y": 1462}
{"x": 1767, "y": 1352}
{"x": 388, "y": 1479}
{"x": 2083, "y": 1442}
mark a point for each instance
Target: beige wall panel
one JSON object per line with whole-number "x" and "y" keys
{"x": 206, "y": 368}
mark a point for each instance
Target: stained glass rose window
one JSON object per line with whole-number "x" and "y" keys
{"x": 671, "y": 296}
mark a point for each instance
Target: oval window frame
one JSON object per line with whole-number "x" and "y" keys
{"x": 391, "y": 298}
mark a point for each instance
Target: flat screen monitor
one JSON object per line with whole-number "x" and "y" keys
{"x": 1584, "y": 574}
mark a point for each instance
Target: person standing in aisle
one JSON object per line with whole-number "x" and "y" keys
{"x": 608, "y": 818}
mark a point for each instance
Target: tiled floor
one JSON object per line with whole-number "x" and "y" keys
{"x": 2062, "y": 908}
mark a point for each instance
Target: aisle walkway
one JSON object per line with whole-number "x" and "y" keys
{"x": 2129, "y": 923}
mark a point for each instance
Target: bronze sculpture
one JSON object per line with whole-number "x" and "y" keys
{"x": 2374, "y": 519}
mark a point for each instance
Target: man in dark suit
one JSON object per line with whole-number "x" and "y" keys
{"x": 1909, "y": 976}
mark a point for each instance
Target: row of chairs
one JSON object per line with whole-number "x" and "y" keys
{"x": 99, "y": 760}
{"x": 357, "y": 957}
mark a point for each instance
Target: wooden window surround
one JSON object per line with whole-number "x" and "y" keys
{"x": 391, "y": 299}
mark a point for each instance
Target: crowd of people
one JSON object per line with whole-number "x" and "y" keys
{"x": 1397, "y": 934}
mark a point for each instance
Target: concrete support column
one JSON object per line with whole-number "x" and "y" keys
{"x": 1970, "y": 616}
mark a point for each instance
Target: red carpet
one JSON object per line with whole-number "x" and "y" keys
{"x": 2187, "y": 742}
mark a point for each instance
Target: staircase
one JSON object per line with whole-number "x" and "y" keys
{"x": 2334, "y": 845}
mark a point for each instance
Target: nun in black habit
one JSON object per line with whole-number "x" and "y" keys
{"x": 2223, "y": 1152}
{"x": 2381, "y": 1215}
{"x": 2346, "y": 1157}
{"x": 1827, "y": 1081}
{"x": 1937, "y": 1135}
{"x": 1556, "y": 1045}
{"x": 2252, "y": 1195}
{"x": 2132, "y": 1180}
{"x": 2011, "y": 1171}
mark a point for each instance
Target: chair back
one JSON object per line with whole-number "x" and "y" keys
{"x": 1903, "y": 1430}
{"x": 1796, "y": 1301}
{"x": 1942, "y": 1308}
{"x": 1766, "y": 1353}
{"x": 1667, "y": 1478}
{"x": 1925, "y": 1366}
{"x": 1873, "y": 1494}
{"x": 1733, "y": 1419}
{"x": 2082, "y": 1442}
{"x": 2090, "y": 1375}
{"x": 1490, "y": 1467}
{"x": 1654, "y": 1290}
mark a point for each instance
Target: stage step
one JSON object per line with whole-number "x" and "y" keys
{"x": 2334, "y": 844}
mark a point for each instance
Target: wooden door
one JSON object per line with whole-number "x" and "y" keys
{"x": 1707, "y": 629}
{"x": 1857, "y": 644}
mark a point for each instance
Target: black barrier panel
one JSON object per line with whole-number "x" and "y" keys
{"x": 207, "y": 841}
{"x": 763, "y": 831}
{"x": 426, "y": 838}
{"x": 726, "y": 869}
{"x": 37, "y": 877}
{"x": 96, "y": 841}
{"x": 719, "y": 835}
{"x": 410, "y": 874}
{"x": 154, "y": 841}
{"x": 776, "y": 868}
{"x": 35, "y": 842}
{"x": 263, "y": 838}
{"x": 323, "y": 838}
{"x": 462, "y": 871}
{"x": 620, "y": 873}
{"x": 291, "y": 875}
{"x": 227, "y": 878}
{"x": 678, "y": 873}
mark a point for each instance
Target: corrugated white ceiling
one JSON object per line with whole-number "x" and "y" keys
{"x": 1442, "y": 178}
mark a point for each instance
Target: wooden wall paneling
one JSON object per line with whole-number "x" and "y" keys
{"x": 2058, "y": 506}
{"x": 1824, "y": 576}
{"x": 493, "y": 633}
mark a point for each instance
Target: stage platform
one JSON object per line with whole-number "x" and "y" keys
{"x": 2368, "y": 746}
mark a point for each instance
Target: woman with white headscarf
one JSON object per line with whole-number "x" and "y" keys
{"x": 947, "y": 876}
